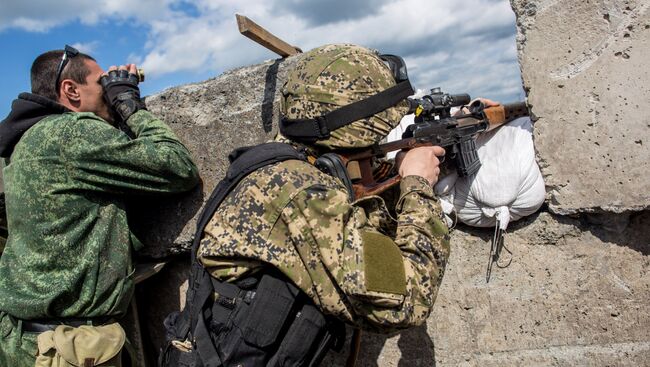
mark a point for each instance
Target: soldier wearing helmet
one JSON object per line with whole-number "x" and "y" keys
{"x": 352, "y": 259}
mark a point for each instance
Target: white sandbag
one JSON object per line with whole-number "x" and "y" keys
{"x": 509, "y": 184}
{"x": 396, "y": 133}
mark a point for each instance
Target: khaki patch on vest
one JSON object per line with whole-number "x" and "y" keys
{"x": 384, "y": 264}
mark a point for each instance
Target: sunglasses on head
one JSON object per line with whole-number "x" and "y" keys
{"x": 68, "y": 53}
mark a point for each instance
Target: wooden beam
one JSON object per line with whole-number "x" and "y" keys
{"x": 260, "y": 35}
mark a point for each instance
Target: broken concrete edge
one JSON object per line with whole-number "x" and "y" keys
{"x": 584, "y": 49}
{"x": 602, "y": 209}
{"x": 250, "y": 69}
{"x": 526, "y": 12}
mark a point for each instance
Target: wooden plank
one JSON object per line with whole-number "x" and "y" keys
{"x": 260, "y": 35}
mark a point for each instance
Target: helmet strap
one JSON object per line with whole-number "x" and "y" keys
{"x": 319, "y": 128}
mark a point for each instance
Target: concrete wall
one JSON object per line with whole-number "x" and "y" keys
{"x": 576, "y": 292}
{"x": 574, "y": 295}
{"x": 585, "y": 69}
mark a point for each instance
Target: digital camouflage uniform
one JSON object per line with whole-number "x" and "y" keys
{"x": 69, "y": 249}
{"x": 353, "y": 259}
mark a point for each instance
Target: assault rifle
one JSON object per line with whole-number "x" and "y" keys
{"x": 434, "y": 125}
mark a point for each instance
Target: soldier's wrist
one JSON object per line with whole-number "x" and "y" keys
{"x": 416, "y": 194}
{"x": 415, "y": 183}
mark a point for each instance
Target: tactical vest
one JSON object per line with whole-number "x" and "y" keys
{"x": 262, "y": 320}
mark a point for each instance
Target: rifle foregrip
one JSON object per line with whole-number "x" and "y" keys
{"x": 515, "y": 110}
{"x": 505, "y": 113}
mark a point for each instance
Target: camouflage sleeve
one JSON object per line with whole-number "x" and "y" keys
{"x": 423, "y": 239}
{"x": 388, "y": 270}
{"x": 103, "y": 158}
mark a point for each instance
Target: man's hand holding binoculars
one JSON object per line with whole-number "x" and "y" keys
{"x": 121, "y": 90}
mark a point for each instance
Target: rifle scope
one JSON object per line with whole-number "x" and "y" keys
{"x": 437, "y": 101}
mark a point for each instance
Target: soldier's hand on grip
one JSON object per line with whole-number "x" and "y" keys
{"x": 423, "y": 162}
{"x": 121, "y": 90}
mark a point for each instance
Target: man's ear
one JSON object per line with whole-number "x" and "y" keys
{"x": 69, "y": 91}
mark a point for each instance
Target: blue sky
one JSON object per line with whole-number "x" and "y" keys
{"x": 462, "y": 46}
{"x": 23, "y": 47}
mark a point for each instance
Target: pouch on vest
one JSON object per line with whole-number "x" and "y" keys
{"x": 309, "y": 335}
{"x": 273, "y": 325}
{"x": 273, "y": 302}
{"x": 270, "y": 324}
{"x": 83, "y": 346}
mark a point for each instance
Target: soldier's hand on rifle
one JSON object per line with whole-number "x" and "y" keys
{"x": 421, "y": 161}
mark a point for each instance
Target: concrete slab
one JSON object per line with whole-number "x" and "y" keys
{"x": 585, "y": 69}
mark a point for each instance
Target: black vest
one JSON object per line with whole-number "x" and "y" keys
{"x": 262, "y": 320}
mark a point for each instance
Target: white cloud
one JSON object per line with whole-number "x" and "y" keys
{"x": 87, "y": 47}
{"x": 463, "y": 45}
{"x": 31, "y": 24}
{"x": 466, "y": 45}
{"x": 42, "y": 15}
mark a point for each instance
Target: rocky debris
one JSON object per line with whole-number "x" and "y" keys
{"x": 584, "y": 67}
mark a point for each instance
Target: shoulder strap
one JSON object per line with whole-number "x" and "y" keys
{"x": 243, "y": 161}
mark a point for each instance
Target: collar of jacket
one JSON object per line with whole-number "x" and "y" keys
{"x": 26, "y": 111}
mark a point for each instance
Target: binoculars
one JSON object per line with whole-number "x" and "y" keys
{"x": 140, "y": 75}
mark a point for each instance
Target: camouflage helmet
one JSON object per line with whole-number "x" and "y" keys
{"x": 329, "y": 77}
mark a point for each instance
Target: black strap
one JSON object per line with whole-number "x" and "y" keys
{"x": 310, "y": 130}
{"x": 207, "y": 351}
{"x": 244, "y": 161}
{"x": 32, "y": 326}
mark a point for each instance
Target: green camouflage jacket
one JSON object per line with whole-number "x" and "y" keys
{"x": 70, "y": 175}
{"x": 354, "y": 260}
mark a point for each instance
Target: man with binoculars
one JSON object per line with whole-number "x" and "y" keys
{"x": 66, "y": 272}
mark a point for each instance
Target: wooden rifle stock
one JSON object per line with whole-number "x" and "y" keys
{"x": 359, "y": 163}
{"x": 502, "y": 114}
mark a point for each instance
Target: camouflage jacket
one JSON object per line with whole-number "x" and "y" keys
{"x": 67, "y": 183}
{"x": 354, "y": 260}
